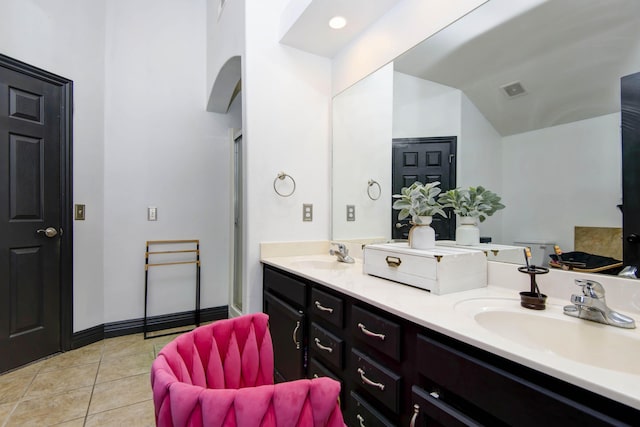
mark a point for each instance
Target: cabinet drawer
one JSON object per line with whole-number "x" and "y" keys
{"x": 363, "y": 414}
{"x": 317, "y": 369}
{"x": 380, "y": 382}
{"x": 430, "y": 410}
{"x": 489, "y": 387}
{"x": 327, "y": 307}
{"x": 286, "y": 287}
{"x": 326, "y": 346}
{"x": 376, "y": 331}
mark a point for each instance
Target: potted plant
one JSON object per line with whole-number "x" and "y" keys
{"x": 470, "y": 205}
{"x": 420, "y": 202}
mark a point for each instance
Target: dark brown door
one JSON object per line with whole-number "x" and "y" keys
{"x": 31, "y": 152}
{"x": 631, "y": 169}
{"x": 424, "y": 160}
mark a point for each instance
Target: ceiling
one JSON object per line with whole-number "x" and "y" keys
{"x": 569, "y": 56}
{"x": 305, "y": 23}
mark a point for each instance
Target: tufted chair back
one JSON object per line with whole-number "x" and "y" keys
{"x": 222, "y": 375}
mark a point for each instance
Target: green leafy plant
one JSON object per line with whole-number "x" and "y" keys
{"x": 418, "y": 200}
{"x": 477, "y": 202}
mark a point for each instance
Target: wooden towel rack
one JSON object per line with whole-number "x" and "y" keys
{"x": 159, "y": 254}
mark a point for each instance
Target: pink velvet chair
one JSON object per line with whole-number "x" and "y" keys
{"x": 222, "y": 375}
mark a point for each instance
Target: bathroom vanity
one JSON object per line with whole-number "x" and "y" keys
{"x": 407, "y": 357}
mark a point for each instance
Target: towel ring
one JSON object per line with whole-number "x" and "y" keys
{"x": 373, "y": 182}
{"x": 281, "y": 176}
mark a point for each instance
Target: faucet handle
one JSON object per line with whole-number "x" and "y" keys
{"x": 341, "y": 247}
{"x": 591, "y": 288}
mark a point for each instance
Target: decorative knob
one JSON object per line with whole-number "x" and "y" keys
{"x": 633, "y": 238}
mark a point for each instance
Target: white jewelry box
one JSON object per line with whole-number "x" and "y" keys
{"x": 441, "y": 270}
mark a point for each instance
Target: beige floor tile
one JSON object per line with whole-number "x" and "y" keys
{"x": 122, "y": 392}
{"x": 78, "y": 422}
{"x": 82, "y": 356}
{"x": 13, "y": 388}
{"x": 139, "y": 415}
{"x": 126, "y": 347}
{"x": 127, "y": 366}
{"x": 5, "y": 410}
{"x": 61, "y": 380}
{"x": 31, "y": 369}
{"x": 49, "y": 411}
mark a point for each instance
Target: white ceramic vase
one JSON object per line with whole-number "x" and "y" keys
{"x": 468, "y": 233}
{"x": 422, "y": 236}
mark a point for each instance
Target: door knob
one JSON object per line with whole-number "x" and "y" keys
{"x": 49, "y": 232}
{"x": 633, "y": 238}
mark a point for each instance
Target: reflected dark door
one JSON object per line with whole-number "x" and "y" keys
{"x": 631, "y": 169}
{"x": 424, "y": 160}
{"x": 31, "y": 111}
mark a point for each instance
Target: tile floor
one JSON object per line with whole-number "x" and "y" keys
{"x": 102, "y": 384}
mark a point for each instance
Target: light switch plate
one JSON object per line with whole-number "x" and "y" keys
{"x": 79, "y": 212}
{"x": 351, "y": 212}
{"x": 152, "y": 213}
{"x": 307, "y": 212}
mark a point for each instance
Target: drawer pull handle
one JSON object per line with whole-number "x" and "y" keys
{"x": 323, "y": 347}
{"x": 369, "y": 333}
{"x": 315, "y": 376}
{"x": 323, "y": 308}
{"x": 295, "y": 335}
{"x": 393, "y": 261}
{"x": 416, "y": 411}
{"x": 368, "y": 381}
{"x": 360, "y": 419}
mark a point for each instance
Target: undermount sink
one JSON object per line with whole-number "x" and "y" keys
{"x": 319, "y": 264}
{"x": 550, "y": 331}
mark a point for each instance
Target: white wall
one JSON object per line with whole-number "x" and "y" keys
{"x": 540, "y": 167}
{"x": 362, "y": 117}
{"x": 66, "y": 37}
{"x": 286, "y": 128}
{"x": 422, "y": 108}
{"x": 225, "y": 36}
{"x": 480, "y": 162}
{"x": 162, "y": 149}
{"x": 404, "y": 26}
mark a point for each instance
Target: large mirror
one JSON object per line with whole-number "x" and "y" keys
{"x": 553, "y": 152}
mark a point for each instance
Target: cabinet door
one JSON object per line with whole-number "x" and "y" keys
{"x": 287, "y": 327}
{"x": 429, "y": 410}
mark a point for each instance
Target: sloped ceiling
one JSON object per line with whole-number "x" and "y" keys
{"x": 569, "y": 56}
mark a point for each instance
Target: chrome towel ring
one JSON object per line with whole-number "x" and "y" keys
{"x": 281, "y": 176}
{"x": 373, "y": 182}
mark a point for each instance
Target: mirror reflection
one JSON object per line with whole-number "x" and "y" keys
{"x": 531, "y": 92}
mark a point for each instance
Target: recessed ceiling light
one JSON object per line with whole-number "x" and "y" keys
{"x": 337, "y": 22}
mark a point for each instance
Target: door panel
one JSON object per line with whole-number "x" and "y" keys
{"x": 30, "y": 188}
{"x": 424, "y": 160}
{"x": 631, "y": 169}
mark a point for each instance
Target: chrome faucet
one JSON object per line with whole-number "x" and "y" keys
{"x": 342, "y": 253}
{"x": 591, "y": 305}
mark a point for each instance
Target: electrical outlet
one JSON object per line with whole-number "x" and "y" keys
{"x": 79, "y": 212}
{"x": 351, "y": 212}
{"x": 152, "y": 213}
{"x": 307, "y": 212}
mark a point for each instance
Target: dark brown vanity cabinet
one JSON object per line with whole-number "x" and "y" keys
{"x": 396, "y": 373}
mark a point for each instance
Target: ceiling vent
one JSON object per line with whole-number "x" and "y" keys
{"x": 513, "y": 90}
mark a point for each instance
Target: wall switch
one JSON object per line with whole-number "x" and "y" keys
{"x": 307, "y": 212}
{"x": 351, "y": 212}
{"x": 79, "y": 212}
{"x": 152, "y": 213}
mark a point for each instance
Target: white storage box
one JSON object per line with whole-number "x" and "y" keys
{"x": 441, "y": 270}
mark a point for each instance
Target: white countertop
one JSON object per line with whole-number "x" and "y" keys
{"x": 443, "y": 313}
